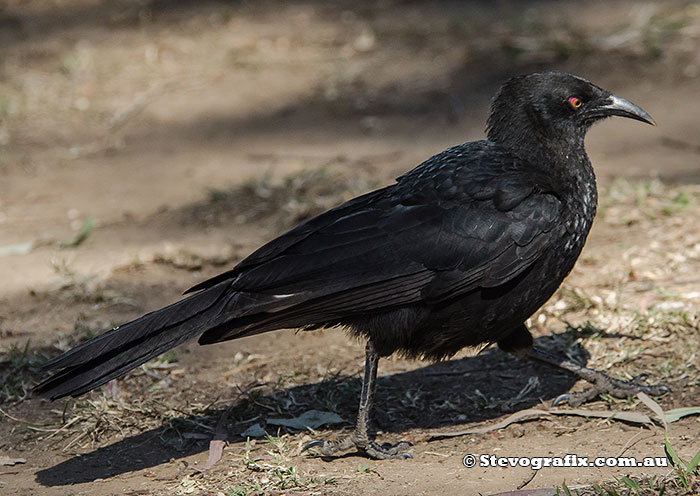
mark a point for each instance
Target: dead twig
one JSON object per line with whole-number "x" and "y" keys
{"x": 533, "y": 413}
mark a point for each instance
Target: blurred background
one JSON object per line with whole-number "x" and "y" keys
{"x": 120, "y": 109}
{"x": 147, "y": 144}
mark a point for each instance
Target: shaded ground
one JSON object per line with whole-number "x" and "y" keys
{"x": 194, "y": 131}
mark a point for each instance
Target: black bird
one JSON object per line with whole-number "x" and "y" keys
{"x": 460, "y": 251}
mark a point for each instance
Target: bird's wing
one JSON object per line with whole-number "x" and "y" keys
{"x": 442, "y": 230}
{"x": 277, "y": 246}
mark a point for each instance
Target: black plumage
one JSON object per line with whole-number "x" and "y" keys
{"x": 458, "y": 252}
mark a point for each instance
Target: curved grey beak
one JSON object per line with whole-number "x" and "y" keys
{"x": 623, "y": 108}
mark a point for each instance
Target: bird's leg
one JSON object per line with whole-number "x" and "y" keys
{"x": 359, "y": 438}
{"x": 519, "y": 343}
{"x": 602, "y": 382}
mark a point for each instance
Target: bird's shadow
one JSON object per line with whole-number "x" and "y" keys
{"x": 443, "y": 394}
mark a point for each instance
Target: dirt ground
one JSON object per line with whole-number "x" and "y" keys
{"x": 146, "y": 145}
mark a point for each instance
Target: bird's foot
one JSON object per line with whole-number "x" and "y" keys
{"x": 372, "y": 449}
{"x": 604, "y": 384}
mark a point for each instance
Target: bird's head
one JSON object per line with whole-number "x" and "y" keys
{"x": 553, "y": 110}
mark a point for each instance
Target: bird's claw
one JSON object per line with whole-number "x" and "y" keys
{"x": 370, "y": 448}
{"x": 614, "y": 387}
{"x": 576, "y": 398}
{"x": 388, "y": 451}
{"x": 652, "y": 390}
{"x": 313, "y": 444}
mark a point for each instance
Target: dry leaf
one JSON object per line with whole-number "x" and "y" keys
{"x": 216, "y": 450}
{"x": 6, "y": 460}
{"x": 653, "y": 406}
{"x": 678, "y": 413}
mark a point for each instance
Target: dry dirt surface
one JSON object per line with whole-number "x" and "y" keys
{"x": 146, "y": 145}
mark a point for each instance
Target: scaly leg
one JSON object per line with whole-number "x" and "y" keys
{"x": 519, "y": 343}
{"x": 359, "y": 438}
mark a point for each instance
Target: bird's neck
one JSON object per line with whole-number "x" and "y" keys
{"x": 536, "y": 147}
{"x": 573, "y": 172}
{"x": 568, "y": 165}
{"x": 578, "y": 172}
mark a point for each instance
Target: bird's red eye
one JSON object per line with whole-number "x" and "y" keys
{"x": 575, "y": 102}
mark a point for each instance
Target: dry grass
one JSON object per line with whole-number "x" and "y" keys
{"x": 288, "y": 201}
{"x": 629, "y": 307}
{"x": 637, "y": 486}
{"x": 638, "y": 316}
{"x": 640, "y": 308}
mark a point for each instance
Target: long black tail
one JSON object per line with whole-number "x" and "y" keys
{"x": 115, "y": 352}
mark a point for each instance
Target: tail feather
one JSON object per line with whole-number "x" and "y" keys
{"x": 114, "y": 353}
